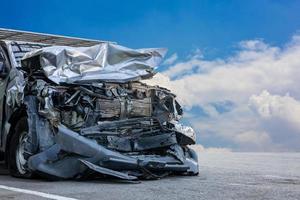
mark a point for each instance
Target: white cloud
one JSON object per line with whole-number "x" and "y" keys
{"x": 171, "y": 59}
{"x": 200, "y": 148}
{"x": 253, "y": 140}
{"x": 270, "y": 106}
{"x": 255, "y": 68}
{"x": 280, "y": 117}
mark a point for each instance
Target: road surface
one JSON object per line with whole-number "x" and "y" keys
{"x": 222, "y": 176}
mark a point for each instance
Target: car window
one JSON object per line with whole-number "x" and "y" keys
{"x": 19, "y": 49}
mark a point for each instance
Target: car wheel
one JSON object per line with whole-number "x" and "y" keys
{"x": 17, "y": 162}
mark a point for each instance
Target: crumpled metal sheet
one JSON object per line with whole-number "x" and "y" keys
{"x": 87, "y": 154}
{"x": 105, "y": 61}
{"x": 15, "y": 88}
{"x": 16, "y": 85}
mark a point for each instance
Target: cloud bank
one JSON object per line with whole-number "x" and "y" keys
{"x": 249, "y": 101}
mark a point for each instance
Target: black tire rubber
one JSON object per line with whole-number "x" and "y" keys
{"x": 21, "y": 125}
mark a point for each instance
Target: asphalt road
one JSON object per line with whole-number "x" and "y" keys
{"x": 223, "y": 176}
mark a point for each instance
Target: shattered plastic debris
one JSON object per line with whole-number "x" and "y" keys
{"x": 88, "y": 113}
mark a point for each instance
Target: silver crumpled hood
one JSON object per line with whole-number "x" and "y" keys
{"x": 105, "y": 61}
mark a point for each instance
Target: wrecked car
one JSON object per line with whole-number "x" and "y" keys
{"x": 73, "y": 109}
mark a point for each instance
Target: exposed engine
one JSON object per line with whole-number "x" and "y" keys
{"x": 111, "y": 113}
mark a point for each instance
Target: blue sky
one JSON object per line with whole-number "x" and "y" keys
{"x": 213, "y": 26}
{"x": 230, "y": 59}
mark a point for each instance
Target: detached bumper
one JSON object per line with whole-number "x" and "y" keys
{"x": 75, "y": 156}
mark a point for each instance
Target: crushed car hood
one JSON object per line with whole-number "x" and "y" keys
{"x": 104, "y": 62}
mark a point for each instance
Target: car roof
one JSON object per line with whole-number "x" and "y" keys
{"x": 26, "y": 36}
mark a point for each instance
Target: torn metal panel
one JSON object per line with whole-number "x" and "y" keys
{"x": 105, "y": 61}
{"x": 49, "y": 164}
{"x": 41, "y": 134}
{"x": 107, "y": 171}
{"x": 15, "y": 88}
{"x": 17, "y": 83}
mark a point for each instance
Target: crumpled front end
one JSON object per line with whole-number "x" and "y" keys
{"x": 128, "y": 130}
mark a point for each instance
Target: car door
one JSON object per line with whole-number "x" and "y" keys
{"x": 4, "y": 69}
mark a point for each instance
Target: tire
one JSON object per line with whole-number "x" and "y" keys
{"x": 17, "y": 163}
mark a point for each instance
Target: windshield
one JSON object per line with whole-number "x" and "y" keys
{"x": 19, "y": 49}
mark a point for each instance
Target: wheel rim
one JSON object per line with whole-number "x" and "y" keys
{"x": 20, "y": 159}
